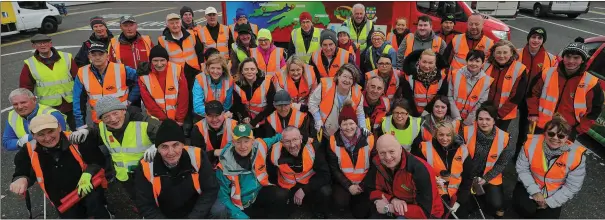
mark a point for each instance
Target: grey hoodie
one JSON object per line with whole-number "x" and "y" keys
{"x": 470, "y": 82}
{"x": 419, "y": 44}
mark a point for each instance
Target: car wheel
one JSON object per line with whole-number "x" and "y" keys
{"x": 573, "y": 15}
{"x": 49, "y": 26}
{"x": 538, "y": 12}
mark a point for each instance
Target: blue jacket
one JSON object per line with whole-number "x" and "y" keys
{"x": 9, "y": 137}
{"x": 81, "y": 96}
{"x": 198, "y": 96}
{"x": 249, "y": 185}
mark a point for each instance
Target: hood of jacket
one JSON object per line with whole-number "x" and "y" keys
{"x": 409, "y": 64}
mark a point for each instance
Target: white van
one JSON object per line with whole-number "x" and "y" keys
{"x": 27, "y": 15}
{"x": 504, "y": 10}
{"x": 572, "y": 9}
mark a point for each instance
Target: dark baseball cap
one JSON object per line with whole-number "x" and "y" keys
{"x": 128, "y": 18}
{"x": 214, "y": 107}
{"x": 282, "y": 98}
{"x": 97, "y": 46}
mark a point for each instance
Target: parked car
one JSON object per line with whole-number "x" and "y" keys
{"x": 572, "y": 9}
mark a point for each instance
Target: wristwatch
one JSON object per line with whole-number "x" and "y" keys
{"x": 386, "y": 209}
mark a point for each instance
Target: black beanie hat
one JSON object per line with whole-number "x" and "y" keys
{"x": 448, "y": 17}
{"x": 97, "y": 20}
{"x": 169, "y": 130}
{"x": 537, "y": 30}
{"x": 158, "y": 51}
{"x": 186, "y": 9}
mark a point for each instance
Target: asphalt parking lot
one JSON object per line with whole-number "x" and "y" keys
{"x": 561, "y": 30}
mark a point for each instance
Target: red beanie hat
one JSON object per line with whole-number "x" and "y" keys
{"x": 347, "y": 112}
{"x": 305, "y": 16}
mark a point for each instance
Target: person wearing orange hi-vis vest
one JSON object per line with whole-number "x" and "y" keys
{"x": 130, "y": 48}
{"x": 551, "y": 171}
{"x": 424, "y": 38}
{"x": 327, "y": 60}
{"x": 480, "y": 164}
{"x": 214, "y": 84}
{"x": 286, "y": 115}
{"x": 245, "y": 190}
{"x": 60, "y": 168}
{"x": 398, "y": 32}
{"x": 473, "y": 39}
{"x": 298, "y": 79}
{"x": 213, "y": 132}
{"x": 567, "y": 89}
{"x": 349, "y": 158}
{"x": 270, "y": 59}
{"x": 439, "y": 112}
{"x": 468, "y": 88}
{"x": 390, "y": 75}
{"x": 375, "y": 104}
{"x": 510, "y": 81}
{"x": 178, "y": 181}
{"x": 300, "y": 168}
{"x": 214, "y": 34}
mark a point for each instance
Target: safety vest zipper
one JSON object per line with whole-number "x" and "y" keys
{"x": 546, "y": 174}
{"x": 560, "y": 94}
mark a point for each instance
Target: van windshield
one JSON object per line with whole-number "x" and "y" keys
{"x": 33, "y": 5}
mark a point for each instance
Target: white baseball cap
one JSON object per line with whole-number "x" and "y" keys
{"x": 211, "y": 10}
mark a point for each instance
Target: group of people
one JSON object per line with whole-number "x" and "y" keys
{"x": 215, "y": 121}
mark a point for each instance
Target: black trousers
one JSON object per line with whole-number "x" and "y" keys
{"x": 359, "y": 205}
{"x": 528, "y": 208}
{"x": 71, "y": 121}
{"x": 271, "y": 202}
{"x": 491, "y": 202}
{"x": 92, "y": 205}
{"x": 319, "y": 199}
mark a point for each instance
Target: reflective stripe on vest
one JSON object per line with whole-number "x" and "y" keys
{"x": 52, "y": 86}
{"x": 385, "y": 51}
{"x": 406, "y": 136}
{"x": 328, "y": 92}
{"x": 549, "y": 61}
{"x": 116, "y": 48}
{"x": 114, "y": 84}
{"x": 390, "y": 90}
{"x": 228, "y": 125}
{"x": 342, "y": 57}
{"x": 393, "y": 39}
{"x": 300, "y": 94}
{"x": 357, "y": 172}
{"x": 210, "y": 93}
{"x": 156, "y": 183}
{"x": 241, "y": 54}
{"x": 235, "y": 34}
{"x": 515, "y": 70}
{"x": 185, "y": 56}
{"x": 498, "y": 144}
{"x": 361, "y": 38}
{"x": 257, "y": 103}
{"x": 127, "y": 154}
{"x": 410, "y": 39}
{"x": 166, "y": 99}
{"x": 272, "y": 66}
{"x": 422, "y": 95}
{"x": 17, "y": 123}
{"x": 221, "y": 43}
{"x": 461, "y": 49}
{"x": 550, "y": 95}
{"x": 296, "y": 119}
{"x": 466, "y": 100}
{"x": 432, "y": 157}
{"x": 299, "y": 44}
{"x": 287, "y": 177}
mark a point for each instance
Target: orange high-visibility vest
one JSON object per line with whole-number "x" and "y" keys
{"x": 393, "y": 82}
{"x": 549, "y": 59}
{"x": 166, "y": 99}
{"x": 228, "y": 126}
{"x": 271, "y": 67}
{"x": 328, "y": 92}
{"x": 342, "y": 57}
{"x": 287, "y": 178}
{"x": 465, "y": 99}
{"x": 209, "y": 93}
{"x": 116, "y": 47}
{"x": 393, "y": 39}
{"x": 428, "y": 135}
{"x": 470, "y": 137}
{"x": 461, "y": 49}
{"x": 258, "y": 102}
{"x": 221, "y": 43}
{"x": 514, "y": 72}
{"x": 422, "y": 95}
{"x": 235, "y": 34}
{"x": 114, "y": 84}
{"x": 433, "y": 159}
{"x": 550, "y": 177}
{"x": 156, "y": 183}
{"x": 296, "y": 120}
{"x": 308, "y": 83}
{"x": 354, "y": 172}
{"x": 551, "y": 94}
{"x": 409, "y": 44}
{"x": 259, "y": 170}
{"x": 183, "y": 56}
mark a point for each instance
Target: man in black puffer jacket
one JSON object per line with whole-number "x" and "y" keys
{"x": 100, "y": 34}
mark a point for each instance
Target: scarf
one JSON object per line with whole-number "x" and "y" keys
{"x": 425, "y": 77}
{"x": 350, "y": 143}
{"x": 550, "y": 153}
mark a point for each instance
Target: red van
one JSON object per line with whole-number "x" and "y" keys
{"x": 282, "y": 17}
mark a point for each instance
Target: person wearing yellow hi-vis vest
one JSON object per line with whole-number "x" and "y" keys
{"x": 305, "y": 39}
{"x": 49, "y": 74}
{"x": 402, "y": 125}
{"x": 379, "y": 47}
{"x": 16, "y": 132}
{"x": 360, "y": 28}
{"x": 125, "y": 134}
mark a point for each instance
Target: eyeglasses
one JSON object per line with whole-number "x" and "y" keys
{"x": 384, "y": 64}
{"x": 288, "y": 142}
{"x": 401, "y": 113}
{"x": 263, "y": 40}
{"x": 553, "y": 134}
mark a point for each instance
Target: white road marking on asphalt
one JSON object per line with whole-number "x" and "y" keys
{"x": 600, "y": 22}
{"x": 588, "y": 32}
{"x": 82, "y": 12}
{"x": 7, "y": 109}
{"x": 31, "y": 51}
{"x": 599, "y": 8}
{"x": 117, "y": 29}
{"x": 596, "y": 12}
{"x": 519, "y": 29}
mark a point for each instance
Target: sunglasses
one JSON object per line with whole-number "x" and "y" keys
{"x": 553, "y": 134}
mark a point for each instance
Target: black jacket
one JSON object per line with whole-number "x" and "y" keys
{"x": 60, "y": 169}
{"x": 337, "y": 175}
{"x": 190, "y": 72}
{"x": 178, "y": 198}
{"x": 198, "y": 140}
{"x": 214, "y": 31}
{"x": 320, "y": 166}
{"x": 307, "y": 129}
{"x": 409, "y": 68}
{"x": 240, "y": 111}
{"x": 82, "y": 56}
{"x": 445, "y": 153}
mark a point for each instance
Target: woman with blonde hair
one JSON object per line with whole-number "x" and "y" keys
{"x": 215, "y": 83}
{"x": 298, "y": 79}
{"x": 507, "y": 91}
